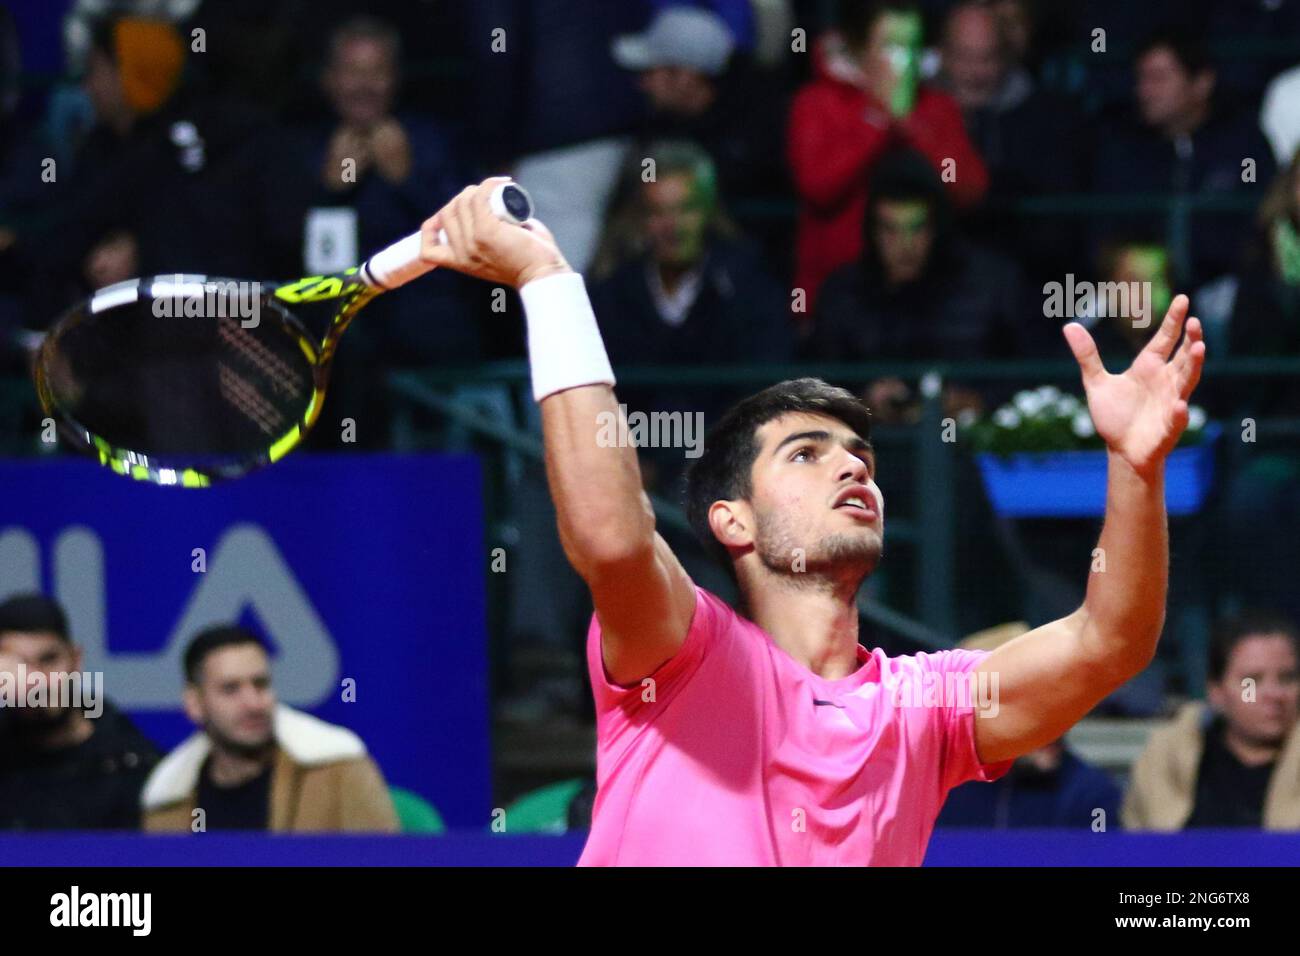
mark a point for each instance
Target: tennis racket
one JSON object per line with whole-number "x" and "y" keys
{"x": 186, "y": 380}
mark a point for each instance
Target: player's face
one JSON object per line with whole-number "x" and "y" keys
{"x": 1268, "y": 662}
{"x": 234, "y": 701}
{"x": 362, "y": 81}
{"x": 43, "y": 655}
{"x": 676, "y": 216}
{"x": 806, "y": 465}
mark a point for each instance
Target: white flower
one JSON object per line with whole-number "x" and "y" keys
{"x": 1028, "y": 403}
{"x": 1082, "y": 425}
{"x": 1195, "y": 418}
{"x": 1048, "y": 394}
{"x": 1006, "y": 417}
{"x": 967, "y": 417}
{"x": 1067, "y": 405}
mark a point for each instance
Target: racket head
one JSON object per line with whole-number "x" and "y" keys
{"x": 182, "y": 380}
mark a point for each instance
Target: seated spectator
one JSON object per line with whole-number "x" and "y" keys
{"x": 919, "y": 291}
{"x": 66, "y": 764}
{"x": 1029, "y": 140}
{"x": 1235, "y": 762}
{"x": 865, "y": 99}
{"x": 1183, "y": 144}
{"x": 697, "y": 91}
{"x": 677, "y": 285}
{"x": 376, "y": 174}
{"x": 257, "y": 764}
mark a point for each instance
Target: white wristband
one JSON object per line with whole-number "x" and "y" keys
{"x": 565, "y": 349}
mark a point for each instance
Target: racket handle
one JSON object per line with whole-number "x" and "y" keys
{"x": 399, "y": 263}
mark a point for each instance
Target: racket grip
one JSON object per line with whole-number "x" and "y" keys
{"x": 400, "y": 263}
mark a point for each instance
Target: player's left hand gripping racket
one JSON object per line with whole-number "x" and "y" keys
{"x": 186, "y": 380}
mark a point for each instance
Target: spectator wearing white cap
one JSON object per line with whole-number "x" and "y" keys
{"x": 698, "y": 89}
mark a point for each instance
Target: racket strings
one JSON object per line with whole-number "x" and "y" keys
{"x": 280, "y": 374}
{"x": 244, "y": 396}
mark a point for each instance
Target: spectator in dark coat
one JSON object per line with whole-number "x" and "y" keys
{"x": 75, "y": 765}
{"x": 1029, "y": 141}
{"x": 1183, "y": 145}
{"x": 386, "y": 173}
{"x": 374, "y": 175}
{"x": 919, "y": 291}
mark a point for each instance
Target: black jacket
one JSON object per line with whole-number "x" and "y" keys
{"x": 969, "y": 304}
{"x": 94, "y": 785}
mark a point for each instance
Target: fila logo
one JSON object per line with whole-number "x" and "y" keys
{"x": 244, "y": 571}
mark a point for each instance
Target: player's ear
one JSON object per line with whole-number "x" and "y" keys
{"x": 732, "y": 522}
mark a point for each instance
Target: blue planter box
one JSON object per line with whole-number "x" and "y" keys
{"x": 1072, "y": 484}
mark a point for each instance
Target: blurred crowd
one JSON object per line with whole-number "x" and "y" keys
{"x": 740, "y": 181}
{"x": 858, "y": 177}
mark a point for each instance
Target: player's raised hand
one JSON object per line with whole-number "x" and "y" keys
{"x": 481, "y": 245}
{"x": 1141, "y": 413}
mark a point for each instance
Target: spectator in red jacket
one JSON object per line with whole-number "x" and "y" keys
{"x": 864, "y": 100}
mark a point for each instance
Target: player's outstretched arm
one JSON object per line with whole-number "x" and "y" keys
{"x": 1051, "y": 677}
{"x": 643, "y": 596}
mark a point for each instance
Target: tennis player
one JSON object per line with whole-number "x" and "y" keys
{"x": 768, "y": 735}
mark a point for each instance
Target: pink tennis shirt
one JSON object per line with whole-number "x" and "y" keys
{"x": 734, "y": 754}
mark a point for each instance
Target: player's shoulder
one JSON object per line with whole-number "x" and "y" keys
{"x": 711, "y": 614}
{"x": 946, "y": 660}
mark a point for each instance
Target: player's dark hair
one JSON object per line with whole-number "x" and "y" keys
{"x": 1188, "y": 47}
{"x": 214, "y": 639}
{"x": 724, "y": 471}
{"x": 857, "y": 18}
{"x": 34, "y": 614}
{"x": 1231, "y": 631}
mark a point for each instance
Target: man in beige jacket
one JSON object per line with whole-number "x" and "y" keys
{"x": 1236, "y": 762}
{"x": 257, "y": 764}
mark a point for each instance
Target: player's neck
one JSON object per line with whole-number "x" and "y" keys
{"x": 814, "y": 621}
